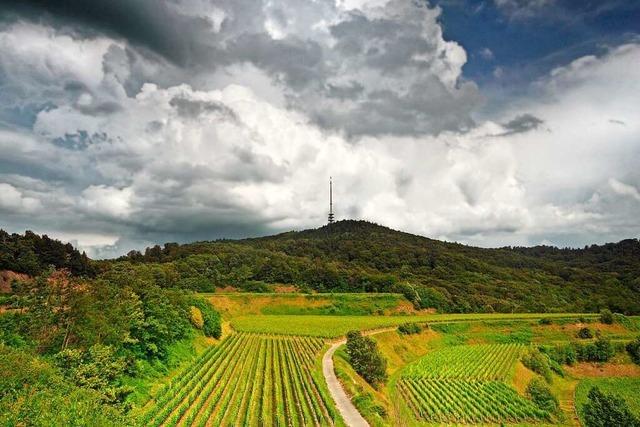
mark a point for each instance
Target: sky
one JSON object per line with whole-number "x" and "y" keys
{"x": 125, "y": 124}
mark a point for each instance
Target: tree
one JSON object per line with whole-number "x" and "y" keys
{"x": 584, "y": 333}
{"x": 541, "y": 395}
{"x": 366, "y": 359}
{"x": 633, "y": 348}
{"x": 606, "y": 316}
{"x": 606, "y": 410}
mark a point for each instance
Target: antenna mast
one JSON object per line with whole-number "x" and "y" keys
{"x": 330, "y": 200}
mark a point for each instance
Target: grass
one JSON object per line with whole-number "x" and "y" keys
{"x": 336, "y": 326}
{"x": 626, "y": 388}
{"x": 341, "y": 304}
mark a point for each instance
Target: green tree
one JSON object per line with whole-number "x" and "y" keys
{"x": 541, "y": 395}
{"x": 606, "y": 316}
{"x": 607, "y": 410}
{"x": 365, "y": 358}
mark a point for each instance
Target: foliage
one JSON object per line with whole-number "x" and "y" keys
{"x": 546, "y": 321}
{"x": 541, "y": 395}
{"x": 584, "y": 333}
{"x": 362, "y": 257}
{"x": 606, "y": 316}
{"x": 599, "y": 351}
{"x": 627, "y": 389}
{"x": 196, "y": 317}
{"x": 365, "y": 358}
{"x": 98, "y": 368}
{"x": 34, "y": 393}
{"x": 633, "y": 348}
{"x": 538, "y": 362}
{"x": 564, "y": 354}
{"x": 211, "y": 321}
{"x": 603, "y": 410}
{"x": 33, "y": 255}
{"x": 409, "y": 328}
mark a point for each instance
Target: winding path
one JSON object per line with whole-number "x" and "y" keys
{"x": 350, "y": 414}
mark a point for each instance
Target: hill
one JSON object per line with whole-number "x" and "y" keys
{"x": 358, "y": 256}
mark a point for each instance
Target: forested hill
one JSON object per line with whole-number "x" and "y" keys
{"x": 360, "y": 256}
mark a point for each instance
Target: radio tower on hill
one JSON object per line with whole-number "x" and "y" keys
{"x": 330, "y": 200}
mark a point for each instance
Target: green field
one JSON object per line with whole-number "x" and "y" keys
{"x": 478, "y": 362}
{"x": 467, "y": 402}
{"x": 335, "y": 326}
{"x": 465, "y": 384}
{"x": 626, "y": 388}
{"x": 248, "y": 379}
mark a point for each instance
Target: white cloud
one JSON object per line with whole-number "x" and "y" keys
{"x": 624, "y": 189}
{"x": 173, "y": 162}
{"x": 12, "y": 200}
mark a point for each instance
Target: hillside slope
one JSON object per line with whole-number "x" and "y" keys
{"x": 358, "y": 256}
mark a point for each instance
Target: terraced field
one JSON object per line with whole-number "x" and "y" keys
{"x": 465, "y": 384}
{"x": 249, "y": 380}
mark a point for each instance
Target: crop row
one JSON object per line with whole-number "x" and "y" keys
{"x": 479, "y": 362}
{"x": 248, "y": 379}
{"x": 467, "y": 402}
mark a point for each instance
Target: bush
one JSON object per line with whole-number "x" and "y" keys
{"x": 409, "y": 328}
{"x": 539, "y": 363}
{"x": 563, "y": 354}
{"x": 633, "y": 348}
{"x": 605, "y": 410}
{"x": 366, "y": 359}
{"x": 541, "y": 395}
{"x": 606, "y": 316}
{"x": 545, "y": 321}
{"x": 584, "y": 333}
{"x": 196, "y": 317}
{"x": 599, "y": 351}
{"x": 211, "y": 321}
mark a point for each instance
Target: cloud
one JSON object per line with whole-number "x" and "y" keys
{"x": 367, "y": 68}
{"x": 123, "y": 149}
{"x": 522, "y": 123}
{"x": 523, "y": 9}
{"x": 624, "y": 189}
{"x": 13, "y": 201}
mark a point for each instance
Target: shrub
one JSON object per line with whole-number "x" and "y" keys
{"x": 545, "y": 321}
{"x": 605, "y": 410}
{"x": 211, "y": 322}
{"x": 541, "y": 395}
{"x": 584, "y": 333}
{"x": 365, "y": 358}
{"x": 599, "y": 351}
{"x": 633, "y": 348}
{"x": 196, "y": 317}
{"x": 409, "y": 328}
{"x": 606, "y": 316}
{"x": 539, "y": 363}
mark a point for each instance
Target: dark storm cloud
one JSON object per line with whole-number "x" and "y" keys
{"x": 149, "y": 23}
{"x": 193, "y": 108}
{"x": 522, "y": 123}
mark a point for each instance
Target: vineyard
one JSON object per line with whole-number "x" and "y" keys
{"x": 248, "y": 380}
{"x": 464, "y": 384}
{"x": 478, "y": 362}
{"x": 467, "y": 401}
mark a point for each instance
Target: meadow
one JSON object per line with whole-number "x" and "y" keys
{"x": 336, "y": 326}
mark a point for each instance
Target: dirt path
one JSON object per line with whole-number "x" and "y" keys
{"x": 350, "y": 414}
